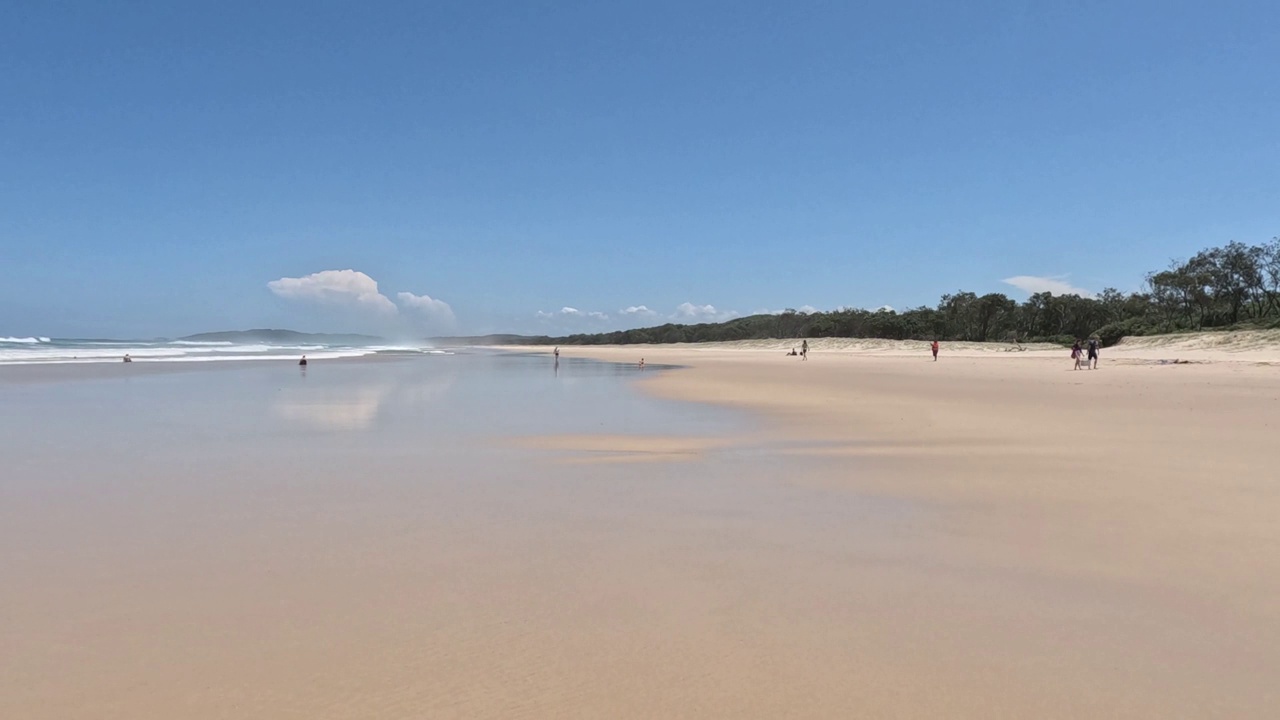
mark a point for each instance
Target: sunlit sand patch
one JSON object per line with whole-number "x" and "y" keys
{"x": 579, "y": 449}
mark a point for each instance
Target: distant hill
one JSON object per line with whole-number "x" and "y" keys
{"x": 283, "y": 337}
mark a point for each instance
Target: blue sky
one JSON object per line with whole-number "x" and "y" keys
{"x": 173, "y": 167}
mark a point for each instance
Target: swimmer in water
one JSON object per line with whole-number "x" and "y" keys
{"x": 303, "y": 361}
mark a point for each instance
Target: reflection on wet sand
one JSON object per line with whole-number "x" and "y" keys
{"x": 367, "y": 542}
{"x": 355, "y": 406}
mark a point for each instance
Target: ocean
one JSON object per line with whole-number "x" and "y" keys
{"x": 44, "y": 350}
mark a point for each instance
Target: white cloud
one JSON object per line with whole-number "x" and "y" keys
{"x": 688, "y": 312}
{"x": 803, "y": 310}
{"x": 570, "y": 312}
{"x": 592, "y": 314}
{"x": 1032, "y": 284}
{"x": 354, "y": 290}
{"x": 431, "y": 308}
{"x": 348, "y": 288}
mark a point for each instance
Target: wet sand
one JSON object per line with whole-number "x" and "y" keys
{"x": 864, "y": 537}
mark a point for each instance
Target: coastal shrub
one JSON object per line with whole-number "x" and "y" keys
{"x": 1111, "y": 333}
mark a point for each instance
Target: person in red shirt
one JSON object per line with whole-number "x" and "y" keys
{"x": 934, "y": 347}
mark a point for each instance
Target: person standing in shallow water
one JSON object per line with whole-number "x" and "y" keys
{"x": 934, "y": 348}
{"x": 303, "y": 361}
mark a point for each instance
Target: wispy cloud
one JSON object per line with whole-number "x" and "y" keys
{"x": 690, "y": 313}
{"x": 347, "y": 288}
{"x": 803, "y": 310}
{"x": 634, "y": 315}
{"x": 1032, "y": 284}
{"x": 572, "y": 312}
{"x": 428, "y": 307}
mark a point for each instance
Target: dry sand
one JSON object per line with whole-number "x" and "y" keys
{"x": 1100, "y": 543}
{"x": 991, "y": 536}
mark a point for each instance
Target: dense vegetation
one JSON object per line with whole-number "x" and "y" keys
{"x": 1233, "y": 286}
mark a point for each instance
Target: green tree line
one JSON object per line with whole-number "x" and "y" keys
{"x": 1234, "y": 286}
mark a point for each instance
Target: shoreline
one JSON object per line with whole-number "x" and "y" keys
{"x": 23, "y": 373}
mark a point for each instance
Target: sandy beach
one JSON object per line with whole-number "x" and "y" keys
{"x": 438, "y": 361}
{"x": 864, "y": 534}
{"x": 1097, "y": 543}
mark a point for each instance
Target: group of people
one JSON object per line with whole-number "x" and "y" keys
{"x": 1085, "y": 355}
{"x": 804, "y": 351}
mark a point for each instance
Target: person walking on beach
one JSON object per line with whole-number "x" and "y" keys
{"x": 1075, "y": 354}
{"x": 1093, "y": 354}
{"x": 934, "y": 347}
{"x": 804, "y": 350}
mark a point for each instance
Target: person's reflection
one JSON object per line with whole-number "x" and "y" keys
{"x": 557, "y": 367}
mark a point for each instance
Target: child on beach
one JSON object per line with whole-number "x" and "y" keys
{"x": 1075, "y": 354}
